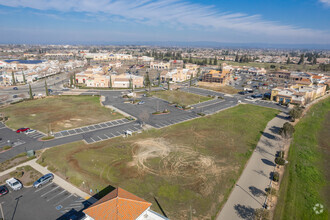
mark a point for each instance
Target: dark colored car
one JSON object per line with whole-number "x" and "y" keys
{"x": 22, "y": 130}
{"x": 257, "y": 96}
{"x": 43, "y": 180}
{"x": 3, "y": 190}
{"x": 15, "y": 96}
{"x": 49, "y": 90}
{"x": 15, "y": 88}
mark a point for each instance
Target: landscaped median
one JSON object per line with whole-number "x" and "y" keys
{"x": 58, "y": 113}
{"x": 305, "y": 189}
{"x": 189, "y": 167}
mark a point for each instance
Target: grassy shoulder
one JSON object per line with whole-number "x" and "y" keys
{"x": 19, "y": 159}
{"x": 58, "y": 113}
{"x": 306, "y": 179}
{"x": 183, "y": 165}
{"x": 180, "y": 97}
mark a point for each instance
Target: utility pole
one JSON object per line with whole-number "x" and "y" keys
{"x": 3, "y": 217}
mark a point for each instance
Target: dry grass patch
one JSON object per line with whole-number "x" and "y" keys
{"x": 192, "y": 164}
{"x": 58, "y": 113}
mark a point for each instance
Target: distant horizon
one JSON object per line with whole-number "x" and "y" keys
{"x": 193, "y": 44}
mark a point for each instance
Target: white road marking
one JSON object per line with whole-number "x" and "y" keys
{"x": 49, "y": 191}
{"x": 56, "y": 195}
{"x": 63, "y": 199}
{"x": 41, "y": 188}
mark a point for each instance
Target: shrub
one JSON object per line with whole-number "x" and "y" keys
{"x": 271, "y": 191}
{"x": 296, "y": 112}
{"x": 276, "y": 176}
{"x": 47, "y": 138}
{"x": 279, "y": 161}
{"x": 261, "y": 213}
{"x": 287, "y": 130}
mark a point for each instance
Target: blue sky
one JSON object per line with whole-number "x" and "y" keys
{"x": 97, "y": 21}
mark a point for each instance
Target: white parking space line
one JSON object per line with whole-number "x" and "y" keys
{"x": 63, "y": 199}
{"x": 41, "y": 188}
{"x": 106, "y": 135}
{"x": 92, "y": 139}
{"x": 56, "y": 195}
{"x": 49, "y": 191}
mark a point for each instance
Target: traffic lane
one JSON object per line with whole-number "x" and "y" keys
{"x": 48, "y": 202}
{"x": 10, "y": 137}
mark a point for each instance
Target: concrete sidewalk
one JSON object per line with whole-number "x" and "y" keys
{"x": 58, "y": 180}
{"x": 249, "y": 193}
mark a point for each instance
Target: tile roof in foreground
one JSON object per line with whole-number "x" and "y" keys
{"x": 118, "y": 205}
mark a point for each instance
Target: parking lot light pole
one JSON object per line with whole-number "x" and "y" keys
{"x": 3, "y": 217}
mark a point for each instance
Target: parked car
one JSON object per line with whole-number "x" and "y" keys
{"x": 50, "y": 90}
{"x": 14, "y": 184}
{"x": 141, "y": 103}
{"x": 22, "y": 130}
{"x": 15, "y": 88}
{"x": 43, "y": 180}
{"x": 3, "y": 190}
{"x": 249, "y": 97}
{"x": 257, "y": 96}
{"x": 30, "y": 131}
{"x": 15, "y": 96}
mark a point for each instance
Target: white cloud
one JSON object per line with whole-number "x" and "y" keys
{"x": 180, "y": 13}
{"x": 326, "y": 2}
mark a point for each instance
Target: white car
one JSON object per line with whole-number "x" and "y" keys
{"x": 30, "y": 131}
{"x": 14, "y": 184}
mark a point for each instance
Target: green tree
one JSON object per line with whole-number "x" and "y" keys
{"x": 158, "y": 79}
{"x": 47, "y": 92}
{"x": 147, "y": 81}
{"x": 30, "y": 92}
{"x": 236, "y": 58}
{"x": 168, "y": 84}
{"x": 110, "y": 83}
{"x": 190, "y": 81}
{"x": 24, "y": 80}
{"x": 301, "y": 61}
{"x": 287, "y": 130}
{"x": 13, "y": 78}
{"x": 215, "y": 62}
{"x": 296, "y": 113}
{"x": 190, "y": 59}
{"x": 198, "y": 72}
{"x": 71, "y": 81}
{"x": 314, "y": 60}
{"x": 288, "y": 61}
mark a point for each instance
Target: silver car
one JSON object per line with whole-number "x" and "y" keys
{"x": 43, "y": 180}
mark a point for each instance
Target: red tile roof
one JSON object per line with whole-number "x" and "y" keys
{"x": 118, "y": 205}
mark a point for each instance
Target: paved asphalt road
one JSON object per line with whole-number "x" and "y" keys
{"x": 249, "y": 192}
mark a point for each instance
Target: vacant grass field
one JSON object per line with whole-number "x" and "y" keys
{"x": 189, "y": 167}
{"x": 216, "y": 87}
{"x": 182, "y": 98}
{"x": 58, "y": 113}
{"x": 306, "y": 180}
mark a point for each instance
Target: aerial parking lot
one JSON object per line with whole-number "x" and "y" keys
{"x": 48, "y": 202}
